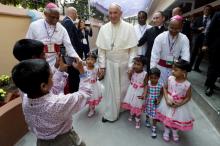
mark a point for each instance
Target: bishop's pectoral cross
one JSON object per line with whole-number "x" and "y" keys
{"x": 114, "y": 35}
{"x": 112, "y": 45}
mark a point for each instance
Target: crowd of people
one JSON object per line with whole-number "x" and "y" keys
{"x": 143, "y": 70}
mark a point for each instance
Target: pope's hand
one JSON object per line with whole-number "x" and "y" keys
{"x": 101, "y": 73}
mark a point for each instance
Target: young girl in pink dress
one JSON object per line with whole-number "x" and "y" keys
{"x": 133, "y": 100}
{"x": 154, "y": 95}
{"x": 92, "y": 72}
{"x": 174, "y": 111}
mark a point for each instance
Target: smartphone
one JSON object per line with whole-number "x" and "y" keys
{"x": 69, "y": 60}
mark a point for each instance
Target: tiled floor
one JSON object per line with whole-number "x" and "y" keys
{"x": 198, "y": 81}
{"x": 123, "y": 133}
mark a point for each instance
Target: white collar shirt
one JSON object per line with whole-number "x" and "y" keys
{"x": 49, "y": 34}
{"x": 162, "y": 48}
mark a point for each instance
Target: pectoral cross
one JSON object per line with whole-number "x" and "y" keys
{"x": 112, "y": 45}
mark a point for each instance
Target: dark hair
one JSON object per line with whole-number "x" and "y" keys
{"x": 29, "y": 74}
{"x": 211, "y": 8}
{"x": 161, "y": 13}
{"x": 27, "y": 48}
{"x": 180, "y": 9}
{"x": 143, "y": 12}
{"x": 154, "y": 71}
{"x": 140, "y": 58}
{"x": 183, "y": 65}
{"x": 80, "y": 20}
{"x": 92, "y": 55}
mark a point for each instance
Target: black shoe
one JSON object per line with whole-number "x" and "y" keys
{"x": 216, "y": 88}
{"x": 209, "y": 91}
{"x": 104, "y": 120}
{"x": 197, "y": 70}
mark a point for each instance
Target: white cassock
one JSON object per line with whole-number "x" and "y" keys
{"x": 116, "y": 49}
{"x": 49, "y": 34}
{"x": 140, "y": 30}
{"x": 167, "y": 49}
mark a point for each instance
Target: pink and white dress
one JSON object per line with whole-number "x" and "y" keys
{"x": 179, "y": 118}
{"x": 136, "y": 88}
{"x": 96, "y": 87}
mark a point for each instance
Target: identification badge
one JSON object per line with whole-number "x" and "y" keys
{"x": 50, "y": 48}
{"x": 84, "y": 41}
{"x": 170, "y": 59}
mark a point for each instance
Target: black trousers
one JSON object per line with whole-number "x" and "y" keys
{"x": 73, "y": 79}
{"x": 85, "y": 50}
{"x": 213, "y": 70}
{"x": 197, "y": 51}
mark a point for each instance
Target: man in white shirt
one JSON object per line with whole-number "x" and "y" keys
{"x": 169, "y": 46}
{"x": 140, "y": 28}
{"x": 116, "y": 44}
{"x": 52, "y": 34}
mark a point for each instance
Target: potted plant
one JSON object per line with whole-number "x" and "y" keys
{"x": 4, "y": 80}
{"x": 2, "y": 96}
{"x": 8, "y": 91}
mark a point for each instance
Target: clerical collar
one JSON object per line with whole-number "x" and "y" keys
{"x": 204, "y": 16}
{"x": 160, "y": 26}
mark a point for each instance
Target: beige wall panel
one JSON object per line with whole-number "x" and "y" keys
{"x": 12, "y": 29}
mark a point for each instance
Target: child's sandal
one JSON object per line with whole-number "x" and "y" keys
{"x": 166, "y": 138}
{"x": 130, "y": 118}
{"x": 138, "y": 125}
{"x": 176, "y": 138}
{"x": 91, "y": 114}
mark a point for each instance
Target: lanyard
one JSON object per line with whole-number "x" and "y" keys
{"x": 84, "y": 33}
{"x": 142, "y": 30}
{"x": 171, "y": 44}
{"x": 49, "y": 36}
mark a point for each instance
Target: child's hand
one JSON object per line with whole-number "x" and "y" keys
{"x": 170, "y": 99}
{"x": 157, "y": 102}
{"x": 130, "y": 72}
{"x": 78, "y": 65}
{"x": 175, "y": 104}
{"x": 101, "y": 73}
{"x": 169, "y": 102}
{"x": 140, "y": 97}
